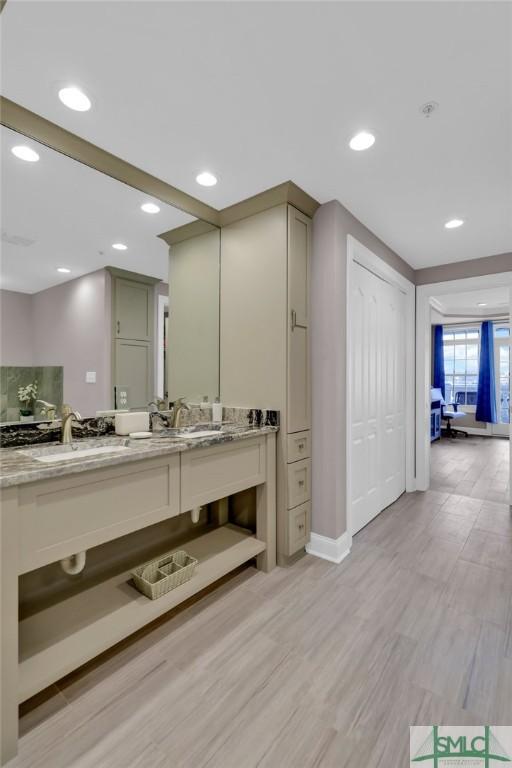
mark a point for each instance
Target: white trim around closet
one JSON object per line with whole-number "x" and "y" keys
{"x": 359, "y": 254}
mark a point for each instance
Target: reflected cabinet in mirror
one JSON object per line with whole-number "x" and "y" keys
{"x": 109, "y": 299}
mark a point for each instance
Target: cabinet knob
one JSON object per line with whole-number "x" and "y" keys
{"x": 119, "y": 326}
{"x": 300, "y": 446}
{"x": 301, "y": 483}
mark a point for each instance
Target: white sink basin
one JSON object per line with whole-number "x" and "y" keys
{"x": 204, "y": 433}
{"x": 72, "y": 452}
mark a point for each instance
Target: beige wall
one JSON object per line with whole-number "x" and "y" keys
{"x": 66, "y": 325}
{"x": 489, "y": 265}
{"x": 72, "y": 328}
{"x": 331, "y": 225}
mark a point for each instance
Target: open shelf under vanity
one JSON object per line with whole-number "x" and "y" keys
{"x": 64, "y": 636}
{"x": 216, "y": 502}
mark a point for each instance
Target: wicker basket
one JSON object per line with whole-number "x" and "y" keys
{"x": 156, "y": 578}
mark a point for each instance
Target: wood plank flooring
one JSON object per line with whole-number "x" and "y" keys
{"x": 475, "y": 466}
{"x": 315, "y": 666}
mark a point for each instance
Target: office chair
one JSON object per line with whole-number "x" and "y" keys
{"x": 448, "y": 416}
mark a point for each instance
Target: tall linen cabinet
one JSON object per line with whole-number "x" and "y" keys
{"x": 264, "y": 348}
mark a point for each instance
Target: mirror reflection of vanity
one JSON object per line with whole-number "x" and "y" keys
{"x": 87, "y": 314}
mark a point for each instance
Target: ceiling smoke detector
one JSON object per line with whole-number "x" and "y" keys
{"x": 16, "y": 239}
{"x": 429, "y": 107}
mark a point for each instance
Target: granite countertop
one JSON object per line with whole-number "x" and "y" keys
{"x": 16, "y": 468}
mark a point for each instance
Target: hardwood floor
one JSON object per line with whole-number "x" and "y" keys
{"x": 315, "y": 666}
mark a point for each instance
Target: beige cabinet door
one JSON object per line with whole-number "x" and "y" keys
{"x": 134, "y": 369}
{"x": 299, "y": 250}
{"x": 133, "y": 310}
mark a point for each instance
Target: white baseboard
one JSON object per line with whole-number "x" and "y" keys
{"x": 334, "y": 550}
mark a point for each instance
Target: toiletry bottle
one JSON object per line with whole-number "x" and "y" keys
{"x": 217, "y": 410}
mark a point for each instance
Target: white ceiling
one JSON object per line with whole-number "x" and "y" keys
{"x": 73, "y": 214}
{"x": 466, "y": 303}
{"x": 260, "y": 93}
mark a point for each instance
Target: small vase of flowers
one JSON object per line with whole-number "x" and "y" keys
{"x": 27, "y": 396}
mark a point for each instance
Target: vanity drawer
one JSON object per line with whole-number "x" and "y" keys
{"x": 299, "y": 482}
{"x": 298, "y": 527}
{"x": 208, "y": 474}
{"x": 60, "y": 517}
{"x": 299, "y": 446}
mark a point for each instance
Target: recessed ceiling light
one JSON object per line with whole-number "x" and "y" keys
{"x": 64, "y": 270}
{"x": 206, "y": 179}
{"x": 482, "y": 304}
{"x": 362, "y": 140}
{"x": 74, "y": 98}
{"x": 454, "y": 223}
{"x": 25, "y": 153}
{"x": 150, "y": 208}
{"x": 119, "y": 246}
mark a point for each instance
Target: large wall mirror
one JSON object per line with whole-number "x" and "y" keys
{"x": 95, "y": 310}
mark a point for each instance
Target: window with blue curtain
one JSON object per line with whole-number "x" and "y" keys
{"x": 486, "y": 394}
{"x": 461, "y": 362}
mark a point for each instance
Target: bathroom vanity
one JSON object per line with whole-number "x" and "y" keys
{"x": 54, "y": 508}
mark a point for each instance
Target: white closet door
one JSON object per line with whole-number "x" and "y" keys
{"x": 377, "y": 396}
{"x": 392, "y": 400}
{"x": 364, "y": 411}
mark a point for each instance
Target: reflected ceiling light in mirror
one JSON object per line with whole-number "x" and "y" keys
{"x": 482, "y": 304}
{"x": 150, "y": 208}
{"x": 64, "y": 270}
{"x": 74, "y": 98}
{"x": 25, "y": 153}
{"x": 206, "y": 179}
{"x": 362, "y": 140}
{"x": 454, "y": 223}
{"x": 119, "y": 246}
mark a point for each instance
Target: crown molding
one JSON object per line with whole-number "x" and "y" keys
{"x": 128, "y": 275}
{"x": 187, "y": 231}
{"x": 459, "y": 270}
{"x": 287, "y": 192}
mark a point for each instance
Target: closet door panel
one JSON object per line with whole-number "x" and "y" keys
{"x": 299, "y": 235}
{"x": 299, "y": 392}
{"x": 364, "y": 410}
{"x": 133, "y": 310}
{"x": 377, "y": 396}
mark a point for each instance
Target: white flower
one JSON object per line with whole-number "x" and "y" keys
{"x": 28, "y": 393}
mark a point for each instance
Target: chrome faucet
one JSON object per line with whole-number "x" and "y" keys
{"x": 158, "y": 421}
{"x": 68, "y": 414}
{"x": 178, "y": 406}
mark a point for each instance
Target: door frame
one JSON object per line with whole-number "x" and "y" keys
{"x": 500, "y": 429}
{"x": 357, "y": 253}
{"x": 423, "y": 359}
{"x": 162, "y": 306}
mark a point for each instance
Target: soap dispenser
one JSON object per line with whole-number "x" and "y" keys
{"x": 217, "y": 411}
